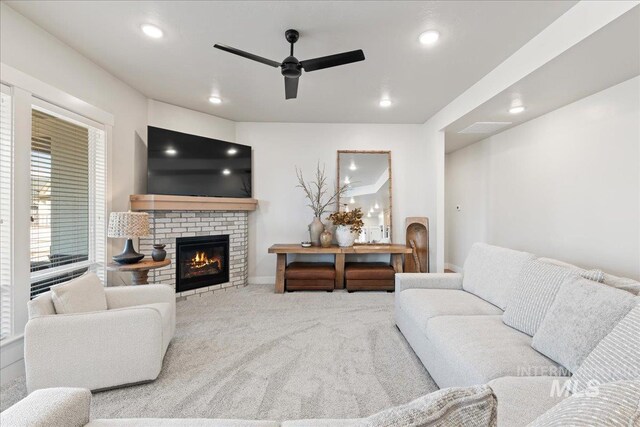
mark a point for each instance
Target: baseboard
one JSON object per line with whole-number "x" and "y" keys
{"x": 11, "y": 372}
{"x": 453, "y": 267}
{"x": 262, "y": 280}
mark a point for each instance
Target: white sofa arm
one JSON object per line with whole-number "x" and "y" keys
{"x": 128, "y": 296}
{"x": 50, "y": 407}
{"x": 94, "y": 350}
{"x": 428, "y": 281}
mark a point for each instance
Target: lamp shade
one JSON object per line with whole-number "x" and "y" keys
{"x": 128, "y": 224}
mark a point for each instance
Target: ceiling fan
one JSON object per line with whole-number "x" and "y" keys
{"x": 291, "y": 68}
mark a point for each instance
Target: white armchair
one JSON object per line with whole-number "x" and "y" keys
{"x": 122, "y": 345}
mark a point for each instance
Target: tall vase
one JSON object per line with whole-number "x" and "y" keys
{"x": 345, "y": 236}
{"x": 315, "y": 229}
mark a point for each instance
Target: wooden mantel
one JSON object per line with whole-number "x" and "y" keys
{"x": 157, "y": 202}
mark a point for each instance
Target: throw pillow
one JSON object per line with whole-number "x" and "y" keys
{"x": 595, "y": 275}
{"x": 474, "y": 406}
{"x": 79, "y": 295}
{"x": 582, "y": 313}
{"x": 533, "y": 294}
{"x": 613, "y": 404}
{"x": 615, "y": 358}
{"x": 627, "y": 284}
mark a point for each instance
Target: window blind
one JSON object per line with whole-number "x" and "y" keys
{"x": 68, "y": 185}
{"x": 6, "y": 203}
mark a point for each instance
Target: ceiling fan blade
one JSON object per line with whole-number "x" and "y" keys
{"x": 332, "y": 60}
{"x": 291, "y": 87}
{"x": 247, "y": 55}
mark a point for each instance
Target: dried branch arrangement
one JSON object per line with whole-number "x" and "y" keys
{"x": 317, "y": 191}
{"x": 352, "y": 218}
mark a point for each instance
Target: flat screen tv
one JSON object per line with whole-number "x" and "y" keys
{"x": 190, "y": 165}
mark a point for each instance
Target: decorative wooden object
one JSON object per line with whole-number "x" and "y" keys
{"x": 282, "y": 250}
{"x": 140, "y": 270}
{"x": 417, "y": 232}
{"x": 156, "y": 202}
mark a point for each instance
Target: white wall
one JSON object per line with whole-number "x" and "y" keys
{"x": 578, "y": 23}
{"x": 180, "y": 119}
{"x": 282, "y": 214}
{"x": 32, "y": 50}
{"x": 564, "y": 185}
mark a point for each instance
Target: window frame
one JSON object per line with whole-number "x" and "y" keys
{"x": 96, "y": 257}
{"x": 25, "y": 89}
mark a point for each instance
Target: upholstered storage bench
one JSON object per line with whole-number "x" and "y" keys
{"x": 310, "y": 276}
{"x": 369, "y": 276}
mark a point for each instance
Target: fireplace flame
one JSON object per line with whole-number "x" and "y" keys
{"x": 201, "y": 260}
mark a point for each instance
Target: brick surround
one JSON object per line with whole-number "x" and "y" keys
{"x": 167, "y": 225}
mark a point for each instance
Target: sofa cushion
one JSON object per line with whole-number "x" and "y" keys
{"x": 79, "y": 295}
{"x": 420, "y": 305}
{"x": 523, "y": 399}
{"x": 482, "y": 348}
{"x": 582, "y": 313}
{"x": 615, "y": 358}
{"x": 490, "y": 271}
{"x": 612, "y": 404}
{"x": 533, "y": 294}
{"x": 457, "y": 406}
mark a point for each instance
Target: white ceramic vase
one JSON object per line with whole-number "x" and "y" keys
{"x": 345, "y": 236}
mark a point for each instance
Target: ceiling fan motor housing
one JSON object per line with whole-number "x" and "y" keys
{"x": 291, "y": 67}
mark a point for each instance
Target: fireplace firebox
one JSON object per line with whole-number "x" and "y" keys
{"x": 201, "y": 261}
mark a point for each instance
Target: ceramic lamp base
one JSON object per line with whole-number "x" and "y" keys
{"x": 128, "y": 255}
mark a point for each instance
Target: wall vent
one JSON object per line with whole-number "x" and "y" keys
{"x": 485, "y": 127}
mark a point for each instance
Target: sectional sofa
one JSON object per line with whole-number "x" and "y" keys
{"x": 520, "y": 323}
{"x": 515, "y": 340}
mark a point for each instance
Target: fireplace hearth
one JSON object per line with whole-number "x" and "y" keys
{"x": 201, "y": 261}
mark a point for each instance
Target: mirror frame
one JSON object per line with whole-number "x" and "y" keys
{"x": 388, "y": 153}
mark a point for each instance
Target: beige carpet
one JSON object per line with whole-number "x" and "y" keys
{"x": 249, "y": 353}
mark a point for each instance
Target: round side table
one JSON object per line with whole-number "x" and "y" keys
{"x": 140, "y": 270}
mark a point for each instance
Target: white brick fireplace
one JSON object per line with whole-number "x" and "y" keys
{"x": 173, "y": 217}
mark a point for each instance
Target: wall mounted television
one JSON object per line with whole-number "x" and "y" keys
{"x": 190, "y": 165}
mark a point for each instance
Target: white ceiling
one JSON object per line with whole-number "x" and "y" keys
{"x": 184, "y": 69}
{"x": 606, "y": 58}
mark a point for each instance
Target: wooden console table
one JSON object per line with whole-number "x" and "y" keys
{"x": 282, "y": 250}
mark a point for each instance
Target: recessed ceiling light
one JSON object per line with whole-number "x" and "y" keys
{"x": 376, "y": 206}
{"x": 385, "y": 103}
{"x": 429, "y": 37}
{"x": 152, "y": 31}
{"x": 347, "y": 180}
{"x": 369, "y": 215}
{"x": 171, "y": 151}
{"x": 232, "y": 151}
{"x": 226, "y": 172}
{"x": 352, "y": 166}
{"x": 516, "y": 110}
{"x": 352, "y": 201}
{"x": 215, "y": 100}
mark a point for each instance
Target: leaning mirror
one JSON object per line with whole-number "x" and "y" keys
{"x": 368, "y": 177}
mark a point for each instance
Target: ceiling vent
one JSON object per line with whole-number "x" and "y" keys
{"x": 485, "y": 127}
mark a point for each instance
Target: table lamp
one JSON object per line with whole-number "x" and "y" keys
{"x": 128, "y": 225}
